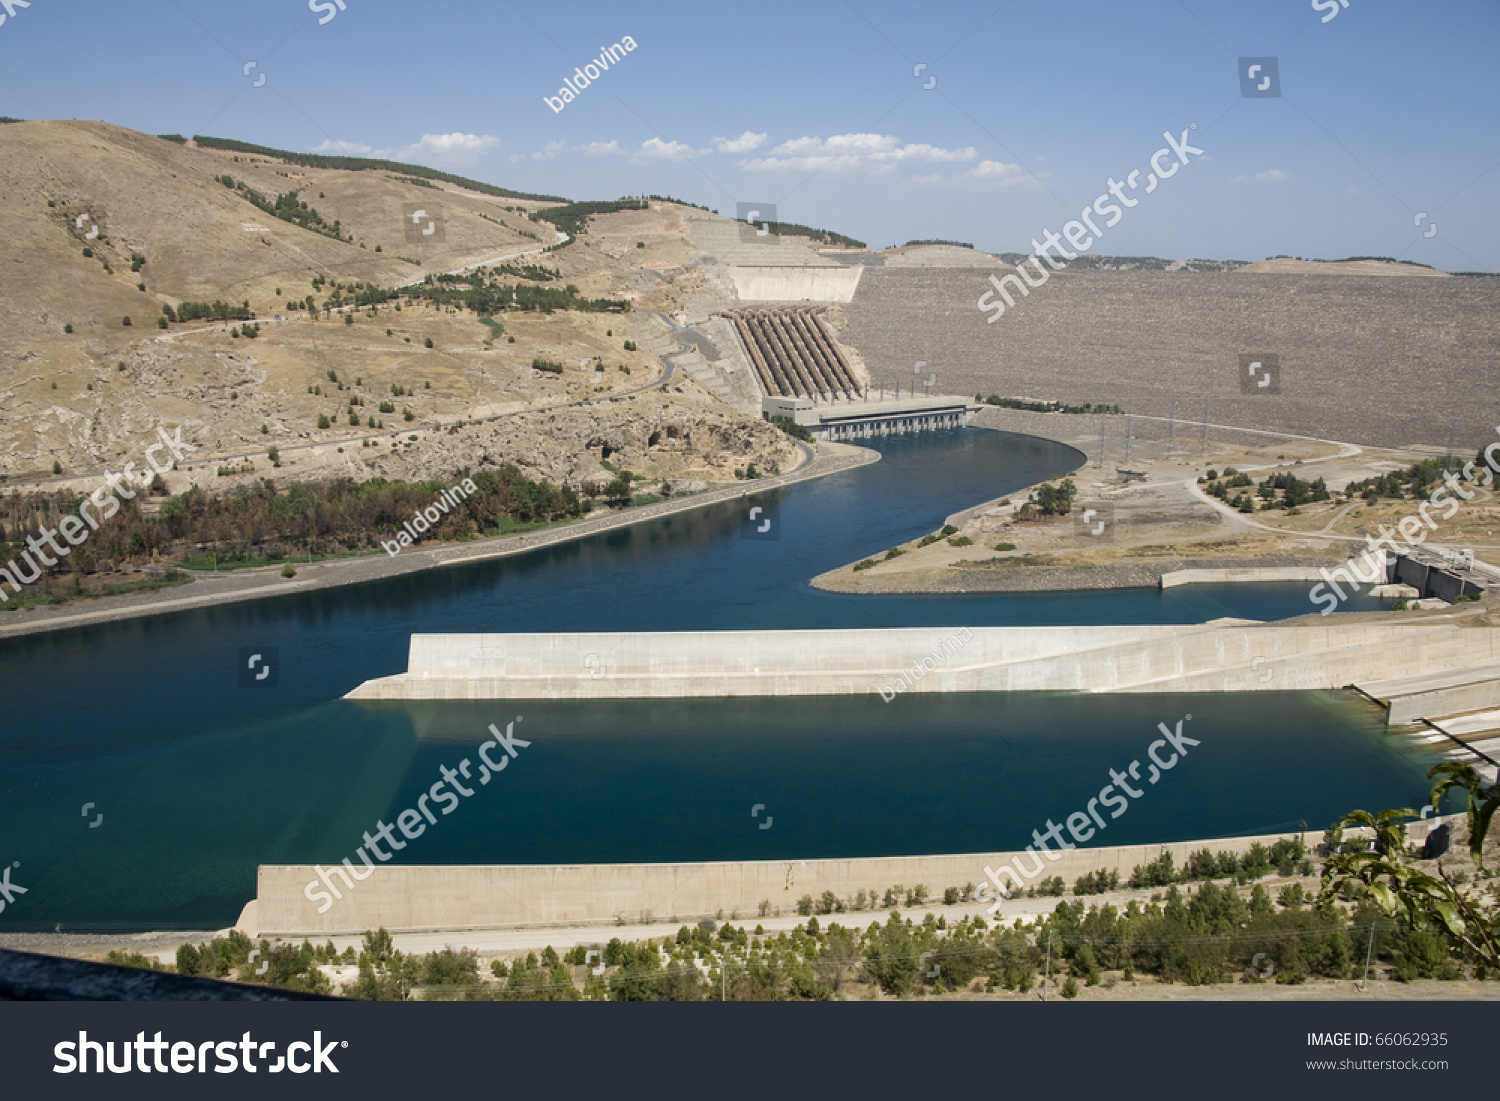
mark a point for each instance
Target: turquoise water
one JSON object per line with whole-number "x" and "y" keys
{"x": 200, "y": 780}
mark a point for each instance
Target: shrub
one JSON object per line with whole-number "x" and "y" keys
{"x": 867, "y": 564}
{"x": 125, "y": 321}
{"x": 805, "y": 905}
{"x": 56, "y": 467}
{"x": 288, "y": 570}
{"x": 67, "y": 328}
{"x": 323, "y": 421}
{"x": 630, "y": 346}
{"x": 427, "y": 343}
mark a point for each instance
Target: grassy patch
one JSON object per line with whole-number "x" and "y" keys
{"x": 496, "y": 329}
{"x": 119, "y": 588}
{"x": 1005, "y": 563}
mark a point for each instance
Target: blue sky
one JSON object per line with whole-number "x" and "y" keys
{"x": 1388, "y": 110}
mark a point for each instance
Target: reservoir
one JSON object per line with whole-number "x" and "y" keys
{"x": 199, "y": 780}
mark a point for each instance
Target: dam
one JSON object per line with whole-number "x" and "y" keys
{"x": 1231, "y": 656}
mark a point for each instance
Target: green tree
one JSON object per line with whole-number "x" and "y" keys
{"x": 1055, "y": 500}
{"x": 1464, "y": 915}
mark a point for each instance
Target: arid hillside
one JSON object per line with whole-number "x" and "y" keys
{"x": 101, "y": 224}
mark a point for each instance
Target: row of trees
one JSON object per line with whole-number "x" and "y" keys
{"x": 486, "y": 298}
{"x": 1046, "y": 406}
{"x": 287, "y": 207}
{"x": 209, "y": 311}
{"x": 573, "y": 218}
{"x": 1418, "y": 480}
{"x": 262, "y": 521}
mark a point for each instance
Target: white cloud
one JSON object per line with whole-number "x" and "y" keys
{"x": 929, "y": 179}
{"x": 1275, "y": 175}
{"x": 601, "y": 149}
{"x": 745, "y": 143}
{"x": 546, "y": 153}
{"x": 343, "y": 149}
{"x": 455, "y": 148}
{"x": 877, "y": 154}
{"x": 654, "y": 149}
{"x": 997, "y": 170}
{"x": 651, "y": 151}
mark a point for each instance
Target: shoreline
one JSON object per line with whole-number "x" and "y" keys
{"x": 266, "y": 581}
{"x": 1156, "y": 518}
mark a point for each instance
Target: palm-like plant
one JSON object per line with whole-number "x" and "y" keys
{"x": 1469, "y": 920}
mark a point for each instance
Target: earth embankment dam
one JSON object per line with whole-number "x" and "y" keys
{"x": 1223, "y": 656}
{"x": 1388, "y": 362}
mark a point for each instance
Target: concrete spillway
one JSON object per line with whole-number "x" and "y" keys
{"x": 1226, "y": 656}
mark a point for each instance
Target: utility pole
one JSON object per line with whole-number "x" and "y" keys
{"x": 1369, "y": 948}
{"x": 1047, "y": 974}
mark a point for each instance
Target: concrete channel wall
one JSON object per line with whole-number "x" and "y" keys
{"x": 1247, "y": 573}
{"x": 1457, "y": 699}
{"x": 1226, "y": 656}
{"x": 420, "y": 898}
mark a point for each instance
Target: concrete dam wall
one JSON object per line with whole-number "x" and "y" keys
{"x": 418, "y": 898}
{"x": 802, "y": 284}
{"x": 1227, "y": 656}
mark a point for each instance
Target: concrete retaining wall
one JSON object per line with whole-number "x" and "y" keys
{"x": 1457, "y": 699}
{"x": 1222, "y": 657}
{"x": 428, "y": 897}
{"x": 1249, "y": 573}
{"x": 831, "y": 284}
